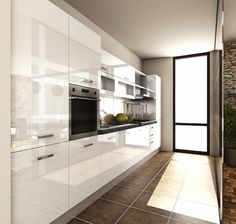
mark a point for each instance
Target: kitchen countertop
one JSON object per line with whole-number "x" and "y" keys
{"x": 121, "y": 127}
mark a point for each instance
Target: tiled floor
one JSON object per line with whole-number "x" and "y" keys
{"x": 229, "y": 192}
{"x": 168, "y": 189}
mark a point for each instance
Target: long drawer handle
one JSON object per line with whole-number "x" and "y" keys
{"x": 88, "y": 145}
{"x": 44, "y": 157}
{"x": 110, "y": 138}
{"x": 151, "y": 142}
{"x": 86, "y": 80}
{"x": 152, "y": 135}
{"x": 45, "y": 136}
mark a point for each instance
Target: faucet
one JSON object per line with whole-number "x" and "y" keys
{"x": 103, "y": 112}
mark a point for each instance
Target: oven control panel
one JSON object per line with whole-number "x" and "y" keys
{"x": 82, "y": 91}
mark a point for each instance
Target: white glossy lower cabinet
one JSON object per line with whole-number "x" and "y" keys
{"x": 155, "y": 136}
{"x": 40, "y": 184}
{"x": 110, "y": 158}
{"x": 138, "y": 140}
{"x": 84, "y": 169}
{"x": 48, "y": 181}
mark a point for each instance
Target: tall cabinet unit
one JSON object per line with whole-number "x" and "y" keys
{"x": 40, "y": 116}
{"x": 155, "y": 130}
{"x": 39, "y": 74}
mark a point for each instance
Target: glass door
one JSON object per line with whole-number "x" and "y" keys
{"x": 191, "y": 104}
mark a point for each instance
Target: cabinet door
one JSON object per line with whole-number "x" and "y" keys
{"x": 125, "y": 72}
{"x": 39, "y": 74}
{"x": 110, "y": 156}
{"x": 84, "y": 55}
{"x": 84, "y": 169}
{"x": 40, "y": 184}
{"x": 155, "y": 136}
{"x": 138, "y": 138}
{"x": 158, "y": 98}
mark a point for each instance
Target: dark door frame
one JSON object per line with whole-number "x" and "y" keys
{"x": 208, "y": 105}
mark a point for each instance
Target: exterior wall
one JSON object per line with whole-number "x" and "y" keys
{"x": 230, "y": 73}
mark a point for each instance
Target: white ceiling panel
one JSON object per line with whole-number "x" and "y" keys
{"x": 155, "y": 28}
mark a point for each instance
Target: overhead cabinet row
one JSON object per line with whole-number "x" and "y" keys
{"x": 49, "y": 50}
{"x": 125, "y": 81}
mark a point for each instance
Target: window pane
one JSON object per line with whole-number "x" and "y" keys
{"x": 192, "y": 138}
{"x": 191, "y": 90}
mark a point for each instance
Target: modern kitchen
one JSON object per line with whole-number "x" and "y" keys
{"x": 112, "y": 121}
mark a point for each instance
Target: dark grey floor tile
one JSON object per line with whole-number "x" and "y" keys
{"x": 136, "y": 182}
{"x": 122, "y": 195}
{"x": 174, "y": 221}
{"x": 102, "y": 212}
{"x": 134, "y": 216}
{"x": 189, "y": 219}
{"x": 77, "y": 221}
{"x": 152, "y": 186}
{"x": 146, "y": 171}
{"x": 142, "y": 203}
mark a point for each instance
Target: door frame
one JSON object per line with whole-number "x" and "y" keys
{"x": 208, "y": 105}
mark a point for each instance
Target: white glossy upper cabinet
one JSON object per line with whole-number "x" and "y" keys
{"x": 158, "y": 98}
{"x": 84, "y": 55}
{"x": 39, "y": 74}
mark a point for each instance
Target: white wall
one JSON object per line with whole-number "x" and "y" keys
{"x": 108, "y": 42}
{"x": 164, "y": 68}
{"x": 5, "y": 10}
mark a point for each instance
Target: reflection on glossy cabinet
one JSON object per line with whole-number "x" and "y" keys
{"x": 39, "y": 74}
{"x": 84, "y": 55}
{"x": 84, "y": 169}
{"x": 40, "y": 184}
{"x": 138, "y": 139}
{"x": 110, "y": 158}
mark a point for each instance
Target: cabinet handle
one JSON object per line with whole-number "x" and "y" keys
{"x": 111, "y": 138}
{"x": 88, "y": 145}
{"x": 45, "y": 136}
{"x": 152, "y": 135}
{"x": 44, "y": 157}
{"x": 151, "y": 142}
{"x": 86, "y": 80}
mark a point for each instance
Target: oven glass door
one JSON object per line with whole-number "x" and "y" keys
{"x": 84, "y": 117}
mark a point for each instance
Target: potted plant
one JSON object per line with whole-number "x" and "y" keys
{"x": 229, "y": 135}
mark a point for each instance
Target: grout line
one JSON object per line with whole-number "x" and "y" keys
{"x": 83, "y": 220}
{"x": 143, "y": 190}
{"x": 104, "y": 199}
{"x": 154, "y": 213}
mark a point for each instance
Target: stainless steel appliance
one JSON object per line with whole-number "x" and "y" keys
{"x": 84, "y": 111}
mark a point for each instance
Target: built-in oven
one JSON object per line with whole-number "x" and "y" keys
{"x": 84, "y": 111}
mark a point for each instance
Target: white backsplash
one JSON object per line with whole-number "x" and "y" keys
{"x": 112, "y": 105}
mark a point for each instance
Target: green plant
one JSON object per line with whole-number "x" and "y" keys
{"x": 229, "y": 125}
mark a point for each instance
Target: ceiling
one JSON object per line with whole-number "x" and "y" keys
{"x": 229, "y": 20}
{"x": 155, "y": 28}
